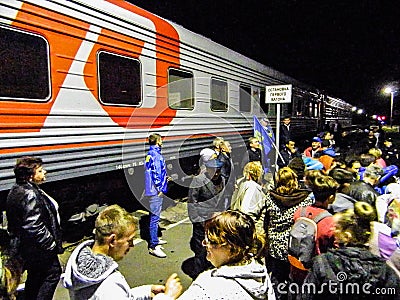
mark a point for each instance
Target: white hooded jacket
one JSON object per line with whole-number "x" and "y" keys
{"x": 90, "y": 276}
{"x": 246, "y": 282}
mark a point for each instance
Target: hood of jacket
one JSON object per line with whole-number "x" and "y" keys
{"x": 252, "y": 277}
{"x": 86, "y": 269}
{"x": 359, "y": 264}
{"x": 292, "y": 199}
{"x": 341, "y": 203}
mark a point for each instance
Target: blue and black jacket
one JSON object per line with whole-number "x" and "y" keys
{"x": 155, "y": 174}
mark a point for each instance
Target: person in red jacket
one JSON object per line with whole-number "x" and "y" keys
{"x": 314, "y": 149}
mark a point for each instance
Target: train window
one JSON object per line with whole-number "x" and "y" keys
{"x": 119, "y": 79}
{"x": 219, "y": 95}
{"x": 180, "y": 89}
{"x": 245, "y": 98}
{"x": 315, "y": 110}
{"x": 299, "y": 107}
{"x": 310, "y": 109}
{"x": 286, "y": 109}
{"x": 272, "y": 110}
{"x": 24, "y": 66}
{"x": 264, "y": 106}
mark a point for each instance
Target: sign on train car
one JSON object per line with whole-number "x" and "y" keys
{"x": 276, "y": 94}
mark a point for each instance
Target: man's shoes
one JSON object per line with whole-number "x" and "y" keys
{"x": 161, "y": 241}
{"x": 157, "y": 251}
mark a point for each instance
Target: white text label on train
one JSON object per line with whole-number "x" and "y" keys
{"x": 278, "y": 93}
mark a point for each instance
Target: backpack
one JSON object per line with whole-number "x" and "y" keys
{"x": 302, "y": 239}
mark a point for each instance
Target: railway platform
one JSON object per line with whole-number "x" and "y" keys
{"x": 139, "y": 267}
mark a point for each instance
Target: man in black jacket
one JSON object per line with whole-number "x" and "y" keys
{"x": 33, "y": 222}
{"x": 288, "y": 153}
{"x": 205, "y": 194}
{"x": 285, "y": 131}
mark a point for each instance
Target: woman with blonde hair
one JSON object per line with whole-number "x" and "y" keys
{"x": 250, "y": 198}
{"x": 281, "y": 204}
{"x": 235, "y": 250}
{"x": 377, "y": 153}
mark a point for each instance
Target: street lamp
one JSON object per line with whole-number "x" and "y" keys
{"x": 390, "y": 91}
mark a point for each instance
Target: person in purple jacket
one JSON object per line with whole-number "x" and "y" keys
{"x": 155, "y": 177}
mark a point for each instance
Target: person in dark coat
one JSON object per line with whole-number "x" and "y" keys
{"x": 363, "y": 190}
{"x": 253, "y": 152}
{"x": 228, "y": 174}
{"x": 288, "y": 153}
{"x": 285, "y": 131}
{"x": 352, "y": 271}
{"x": 34, "y": 224}
{"x": 205, "y": 195}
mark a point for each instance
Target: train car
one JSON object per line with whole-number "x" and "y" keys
{"x": 337, "y": 109}
{"x": 83, "y": 83}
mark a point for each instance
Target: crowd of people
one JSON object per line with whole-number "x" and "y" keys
{"x": 243, "y": 236}
{"x": 348, "y": 186}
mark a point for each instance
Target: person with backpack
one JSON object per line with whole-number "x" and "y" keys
{"x": 313, "y": 229}
{"x": 281, "y": 203}
{"x": 352, "y": 268}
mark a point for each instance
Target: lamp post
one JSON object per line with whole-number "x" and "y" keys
{"x": 390, "y": 91}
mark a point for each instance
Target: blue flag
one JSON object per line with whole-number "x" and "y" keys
{"x": 266, "y": 137}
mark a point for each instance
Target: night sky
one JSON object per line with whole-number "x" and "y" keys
{"x": 348, "y": 48}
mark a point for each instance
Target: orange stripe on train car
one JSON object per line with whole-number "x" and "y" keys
{"x": 51, "y": 25}
{"x": 45, "y": 23}
{"x": 167, "y": 55}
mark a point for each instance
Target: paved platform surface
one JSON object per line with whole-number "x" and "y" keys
{"x": 139, "y": 267}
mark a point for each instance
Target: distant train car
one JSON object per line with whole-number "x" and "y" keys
{"x": 83, "y": 83}
{"x": 337, "y": 110}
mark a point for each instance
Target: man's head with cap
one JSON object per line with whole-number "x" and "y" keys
{"x": 316, "y": 143}
{"x": 317, "y": 139}
{"x": 213, "y": 163}
{"x": 213, "y": 168}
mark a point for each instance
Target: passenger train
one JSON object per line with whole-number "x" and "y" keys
{"x": 83, "y": 83}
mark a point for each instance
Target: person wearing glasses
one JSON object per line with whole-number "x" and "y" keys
{"x": 92, "y": 269}
{"x": 234, "y": 249}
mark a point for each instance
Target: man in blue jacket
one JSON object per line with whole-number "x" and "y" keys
{"x": 155, "y": 177}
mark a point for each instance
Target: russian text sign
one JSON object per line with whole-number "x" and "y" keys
{"x": 278, "y": 93}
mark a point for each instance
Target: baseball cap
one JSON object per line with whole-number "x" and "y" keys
{"x": 317, "y": 139}
{"x": 213, "y": 163}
